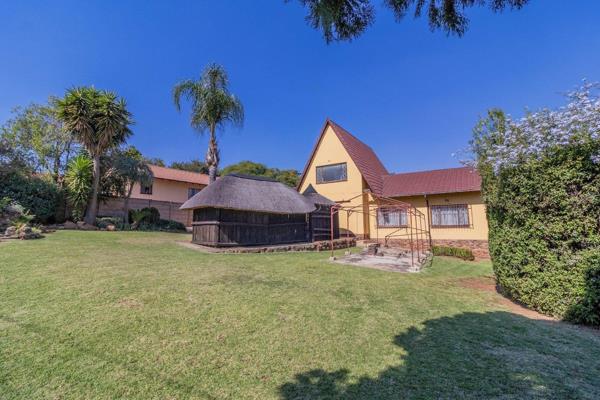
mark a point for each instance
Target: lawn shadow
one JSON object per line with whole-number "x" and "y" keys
{"x": 473, "y": 356}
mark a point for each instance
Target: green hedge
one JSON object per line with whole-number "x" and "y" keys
{"x": 459, "y": 252}
{"x": 38, "y": 195}
{"x": 465, "y": 254}
{"x": 164, "y": 225}
{"x": 544, "y": 220}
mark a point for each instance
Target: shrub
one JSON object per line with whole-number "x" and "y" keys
{"x": 79, "y": 178}
{"x": 103, "y": 222}
{"x": 164, "y": 225}
{"x": 587, "y": 310}
{"x": 541, "y": 187}
{"x": 40, "y": 197}
{"x": 465, "y": 254}
{"x": 146, "y": 215}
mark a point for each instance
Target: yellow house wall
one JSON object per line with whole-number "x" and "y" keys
{"x": 477, "y": 229}
{"x": 166, "y": 190}
{"x": 331, "y": 151}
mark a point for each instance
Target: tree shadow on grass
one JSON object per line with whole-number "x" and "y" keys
{"x": 473, "y": 356}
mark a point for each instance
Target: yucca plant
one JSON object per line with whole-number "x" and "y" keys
{"x": 100, "y": 121}
{"x": 79, "y": 179}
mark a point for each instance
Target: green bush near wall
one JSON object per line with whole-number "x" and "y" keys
{"x": 544, "y": 220}
{"x": 40, "y": 196}
{"x": 465, "y": 254}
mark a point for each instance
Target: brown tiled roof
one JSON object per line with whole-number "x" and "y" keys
{"x": 178, "y": 175}
{"x": 363, "y": 156}
{"x": 450, "y": 180}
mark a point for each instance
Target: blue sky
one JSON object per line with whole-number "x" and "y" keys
{"x": 411, "y": 94}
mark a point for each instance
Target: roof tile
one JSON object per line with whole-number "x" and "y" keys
{"x": 363, "y": 156}
{"x": 178, "y": 175}
{"x": 450, "y": 180}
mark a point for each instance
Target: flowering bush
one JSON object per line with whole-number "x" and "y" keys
{"x": 541, "y": 186}
{"x": 501, "y": 142}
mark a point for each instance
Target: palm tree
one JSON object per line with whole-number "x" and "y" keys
{"x": 212, "y": 107}
{"x": 99, "y": 120}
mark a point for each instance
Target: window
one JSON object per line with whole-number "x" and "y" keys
{"x": 331, "y": 173}
{"x": 450, "y": 215}
{"x": 391, "y": 218}
{"x": 146, "y": 189}
{"x": 192, "y": 192}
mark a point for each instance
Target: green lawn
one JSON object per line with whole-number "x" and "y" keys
{"x": 104, "y": 315}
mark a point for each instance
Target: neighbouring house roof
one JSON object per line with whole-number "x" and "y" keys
{"x": 439, "y": 181}
{"x": 363, "y": 156}
{"x": 317, "y": 199}
{"x": 250, "y": 193}
{"x": 178, "y": 175}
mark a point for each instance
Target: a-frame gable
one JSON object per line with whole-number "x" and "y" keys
{"x": 316, "y": 147}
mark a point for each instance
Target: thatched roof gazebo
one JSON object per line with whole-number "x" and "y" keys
{"x": 239, "y": 210}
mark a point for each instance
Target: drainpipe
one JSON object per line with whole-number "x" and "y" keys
{"x": 429, "y": 222}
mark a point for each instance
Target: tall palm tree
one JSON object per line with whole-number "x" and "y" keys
{"x": 99, "y": 120}
{"x": 212, "y": 107}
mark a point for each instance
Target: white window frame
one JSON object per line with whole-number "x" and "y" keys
{"x": 399, "y": 221}
{"x": 450, "y": 216}
{"x": 321, "y": 181}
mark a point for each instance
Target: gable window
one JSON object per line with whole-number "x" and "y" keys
{"x": 391, "y": 218}
{"x": 146, "y": 189}
{"x": 332, "y": 173}
{"x": 450, "y": 215}
{"x": 192, "y": 192}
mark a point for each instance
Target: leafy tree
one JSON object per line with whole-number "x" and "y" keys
{"x": 344, "y": 20}
{"x": 212, "y": 107}
{"x": 192, "y": 166}
{"x": 156, "y": 161}
{"x": 129, "y": 165}
{"x": 79, "y": 178}
{"x": 290, "y": 177}
{"x": 99, "y": 120}
{"x": 12, "y": 158}
{"x": 39, "y": 137}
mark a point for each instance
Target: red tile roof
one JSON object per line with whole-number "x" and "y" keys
{"x": 451, "y": 180}
{"x": 382, "y": 183}
{"x": 178, "y": 175}
{"x": 363, "y": 156}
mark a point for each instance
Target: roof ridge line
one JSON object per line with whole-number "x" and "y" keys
{"x": 427, "y": 170}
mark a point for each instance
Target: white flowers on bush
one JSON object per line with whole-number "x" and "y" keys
{"x": 576, "y": 123}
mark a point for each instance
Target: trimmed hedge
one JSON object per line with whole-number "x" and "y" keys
{"x": 459, "y": 252}
{"x": 164, "y": 225}
{"x": 544, "y": 220}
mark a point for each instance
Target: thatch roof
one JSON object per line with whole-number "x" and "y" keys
{"x": 317, "y": 199}
{"x": 250, "y": 193}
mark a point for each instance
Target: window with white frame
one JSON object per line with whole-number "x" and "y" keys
{"x": 332, "y": 173}
{"x": 455, "y": 215}
{"x": 391, "y": 217}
